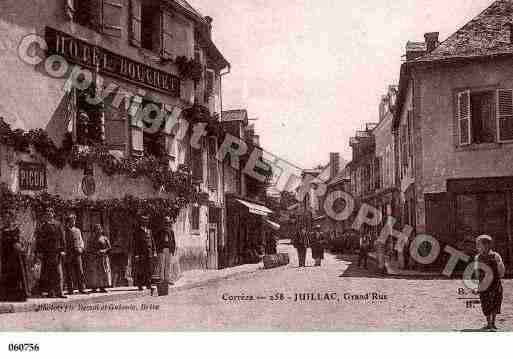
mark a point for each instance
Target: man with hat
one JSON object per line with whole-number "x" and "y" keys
{"x": 75, "y": 247}
{"x": 166, "y": 247}
{"x": 51, "y": 250}
{"x": 144, "y": 252}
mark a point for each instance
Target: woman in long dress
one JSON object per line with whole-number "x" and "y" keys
{"x": 13, "y": 278}
{"x": 99, "y": 272}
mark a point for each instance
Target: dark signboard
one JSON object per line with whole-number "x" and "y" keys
{"x": 92, "y": 56}
{"x": 32, "y": 176}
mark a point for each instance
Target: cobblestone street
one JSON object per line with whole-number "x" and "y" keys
{"x": 402, "y": 304}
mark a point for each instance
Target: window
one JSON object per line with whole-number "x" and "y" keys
{"x": 195, "y": 218}
{"x": 476, "y": 119}
{"x": 212, "y": 164}
{"x": 100, "y": 15}
{"x": 197, "y": 164}
{"x": 154, "y": 142}
{"x": 209, "y": 84}
{"x": 150, "y": 27}
{"x": 90, "y": 121}
{"x": 377, "y": 173}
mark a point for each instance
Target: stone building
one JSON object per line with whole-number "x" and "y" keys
{"x": 246, "y": 213}
{"x": 454, "y": 128}
{"x": 153, "y": 73}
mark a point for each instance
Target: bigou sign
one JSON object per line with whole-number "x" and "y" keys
{"x": 92, "y": 56}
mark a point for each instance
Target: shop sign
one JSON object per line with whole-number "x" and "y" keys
{"x": 32, "y": 176}
{"x": 93, "y": 57}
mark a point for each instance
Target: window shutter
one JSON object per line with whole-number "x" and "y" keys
{"x": 135, "y": 22}
{"x": 464, "y": 117}
{"x": 137, "y": 135}
{"x": 116, "y": 124}
{"x": 112, "y": 13}
{"x": 167, "y": 50}
{"x": 505, "y": 115}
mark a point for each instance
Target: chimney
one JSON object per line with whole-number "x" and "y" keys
{"x": 209, "y": 20}
{"x": 431, "y": 41}
{"x": 334, "y": 164}
{"x": 509, "y": 25}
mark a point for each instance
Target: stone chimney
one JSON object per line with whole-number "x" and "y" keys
{"x": 509, "y": 26}
{"x": 334, "y": 164}
{"x": 209, "y": 21}
{"x": 431, "y": 41}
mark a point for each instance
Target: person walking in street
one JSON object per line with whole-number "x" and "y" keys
{"x": 317, "y": 246}
{"x": 51, "y": 251}
{"x": 364, "y": 250}
{"x": 166, "y": 247}
{"x": 75, "y": 277}
{"x": 99, "y": 274}
{"x": 301, "y": 244}
{"x": 145, "y": 252}
{"x": 13, "y": 275}
{"x": 490, "y": 292}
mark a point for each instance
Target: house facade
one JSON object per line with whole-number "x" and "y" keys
{"x": 454, "y": 127}
{"x": 121, "y": 85}
{"x": 246, "y": 213}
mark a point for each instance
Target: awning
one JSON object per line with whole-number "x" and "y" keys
{"x": 256, "y": 208}
{"x": 273, "y": 225}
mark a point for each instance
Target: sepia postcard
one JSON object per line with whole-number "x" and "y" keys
{"x": 249, "y": 165}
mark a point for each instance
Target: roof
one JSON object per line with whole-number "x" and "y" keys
{"x": 188, "y": 7}
{"x": 487, "y": 34}
{"x": 235, "y": 115}
{"x": 4, "y": 127}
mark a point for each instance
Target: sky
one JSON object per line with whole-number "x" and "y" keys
{"x": 313, "y": 71}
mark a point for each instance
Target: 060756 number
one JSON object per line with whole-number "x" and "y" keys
{"x": 25, "y": 347}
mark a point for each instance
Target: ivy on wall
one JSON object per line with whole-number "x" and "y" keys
{"x": 162, "y": 176}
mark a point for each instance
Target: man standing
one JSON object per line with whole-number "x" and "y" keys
{"x": 145, "y": 252}
{"x": 166, "y": 247}
{"x": 317, "y": 245}
{"x": 301, "y": 244}
{"x": 51, "y": 250}
{"x": 75, "y": 247}
{"x": 364, "y": 250}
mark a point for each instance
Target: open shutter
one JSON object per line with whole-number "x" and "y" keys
{"x": 168, "y": 133}
{"x": 112, "y": 13}
{"x": 137, "y": 139}
{"x": 167, "y": 45}
{"x": 464, "y": 117}
{"x": 505, "y": 115}
{"x": 135, "y": 22}
{"x": 116, "y": 125}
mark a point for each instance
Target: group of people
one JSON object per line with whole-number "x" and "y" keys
{"x": 65, "y": 259}
{"x": 315, "y": 240}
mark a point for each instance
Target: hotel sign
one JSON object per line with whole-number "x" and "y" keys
{"x": 92, "y": 56}
{"x": 32, "y": 176}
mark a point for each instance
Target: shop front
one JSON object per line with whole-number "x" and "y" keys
{"x": 246, "y": 231}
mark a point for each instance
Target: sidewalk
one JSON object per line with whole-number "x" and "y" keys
{"x": 188, "y": 280}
